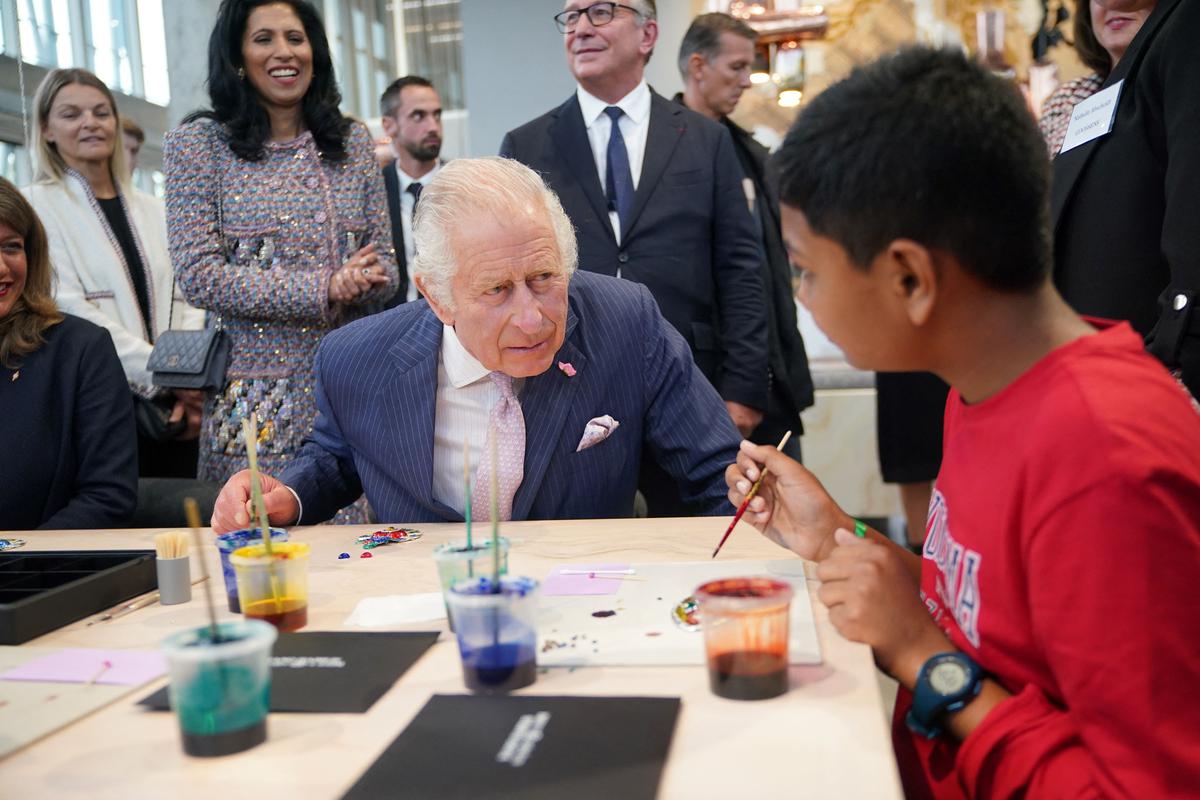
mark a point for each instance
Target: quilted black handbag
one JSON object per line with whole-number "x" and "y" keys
{"x": 190, "y": 359}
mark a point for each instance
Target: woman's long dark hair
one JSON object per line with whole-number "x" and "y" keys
{"x": 1090, "y": 51}
{"x": 236, "y": 104}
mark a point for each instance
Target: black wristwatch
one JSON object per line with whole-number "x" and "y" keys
{"x": 948, "y": 681}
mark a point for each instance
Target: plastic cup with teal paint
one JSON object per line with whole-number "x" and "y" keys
{"x": 221, "y": 692}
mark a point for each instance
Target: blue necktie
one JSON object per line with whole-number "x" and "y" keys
{"x": 618, "y": 179}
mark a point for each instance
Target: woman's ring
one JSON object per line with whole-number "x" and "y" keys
{"x": 366, "y": 270}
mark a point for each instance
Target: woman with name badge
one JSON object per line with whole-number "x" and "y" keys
{"x": 1124, "y": 200}
{"x": 1101, "y": 38}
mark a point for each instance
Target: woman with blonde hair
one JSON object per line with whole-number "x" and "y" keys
{"x": 69, "y": 454}
{"x": 108, "y": 244}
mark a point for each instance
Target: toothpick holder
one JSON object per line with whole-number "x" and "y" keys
{"x": 174, "y": 580}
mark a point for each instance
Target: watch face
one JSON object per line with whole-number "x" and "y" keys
{"x": 947, "y": 677}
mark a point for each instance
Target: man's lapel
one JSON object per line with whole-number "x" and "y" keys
{"x": 666, "y": 127}
{"x": 546, "y": 402}
{"x": 408, "y": 405}
{"x": 570, "y": 138}
{"x": 391, "y": 186}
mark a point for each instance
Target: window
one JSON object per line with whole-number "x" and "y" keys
{"x": 153, "y": 36}
{"x": 110, "y": 50}
{"x": 45, "y": 32}
{"x": 433, "y": 44}
{"x": 122, "y": 41}
{"x": 364, "y": 58}
{"x": 14, "y": 163}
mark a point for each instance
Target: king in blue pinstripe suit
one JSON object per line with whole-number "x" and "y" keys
{"x": 376, "y": 384}
{"x": 377, "y": 379}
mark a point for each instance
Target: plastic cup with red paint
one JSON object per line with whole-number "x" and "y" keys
{"x": 745, "y": 622}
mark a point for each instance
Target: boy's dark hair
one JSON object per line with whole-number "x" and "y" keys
{"x": 926, "y": 145}
{"x": 235, "y": 102}
{"x": 389, "y": 101}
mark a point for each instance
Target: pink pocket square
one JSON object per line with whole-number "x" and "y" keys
{"x": 596, "y": 431}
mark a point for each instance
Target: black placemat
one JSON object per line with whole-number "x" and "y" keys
{"x": 333, "y": 671}
{"x": 472, "y": 746}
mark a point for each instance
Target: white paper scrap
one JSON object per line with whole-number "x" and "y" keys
{"x": 397, "y": 609}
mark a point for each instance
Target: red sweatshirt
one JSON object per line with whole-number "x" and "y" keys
{"x": 1063, "y": 555}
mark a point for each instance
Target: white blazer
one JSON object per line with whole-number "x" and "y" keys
{"x": 92, "y": 279}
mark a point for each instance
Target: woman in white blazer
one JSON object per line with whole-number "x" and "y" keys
{"x": 108, "y": 245}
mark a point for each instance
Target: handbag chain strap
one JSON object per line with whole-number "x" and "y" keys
{"x": 220, "y": 240}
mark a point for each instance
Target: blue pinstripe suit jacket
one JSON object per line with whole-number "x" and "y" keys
{"x": 376, "y": 385}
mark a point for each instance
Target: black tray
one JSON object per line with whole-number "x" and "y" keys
{"x": 41, "y": 591}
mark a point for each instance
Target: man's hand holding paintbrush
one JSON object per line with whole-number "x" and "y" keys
{"x": 791, "y": 508}
{"x": 233, "y": 511}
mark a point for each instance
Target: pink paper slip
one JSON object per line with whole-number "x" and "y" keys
{"x": 557, "y": 584}
{"x": 125, "y": 667}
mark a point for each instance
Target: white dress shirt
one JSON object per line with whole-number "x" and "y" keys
{"x": 407, "y": 204}
{"x": 634, "y": 123}
{"x": 465, "y": 396}
{"x": 463, "y": 406}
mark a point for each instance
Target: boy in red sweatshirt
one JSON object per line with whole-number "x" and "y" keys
{"x": 1048, "y": 641}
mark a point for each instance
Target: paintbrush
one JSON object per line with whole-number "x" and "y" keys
{"x": 495, "y": 493}
{"x": 250, "y": 432}
{"x": 749, "y": 496}
{"x": 132, "y": 605}
{"x": 193, "y": 517}
{"x": 467, "y": 488}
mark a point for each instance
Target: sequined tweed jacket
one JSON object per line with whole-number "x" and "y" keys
{"x": 255, "y": 243}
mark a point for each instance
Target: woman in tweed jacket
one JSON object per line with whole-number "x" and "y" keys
{"x": 277, "y": 222}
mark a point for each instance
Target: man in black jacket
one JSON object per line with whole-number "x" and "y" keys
{"x": 412, "y": 118}
{"x": 715, "y": 59}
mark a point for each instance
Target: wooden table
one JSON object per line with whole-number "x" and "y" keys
{"x": 827, "y": 738}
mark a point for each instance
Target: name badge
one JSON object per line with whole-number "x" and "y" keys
{"x": 1093, "y": 117}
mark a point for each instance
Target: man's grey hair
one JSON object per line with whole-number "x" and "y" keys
{"x": 704, "y": 37}
{"x": 648, "y": 8}
{"x": 463, "y": 192}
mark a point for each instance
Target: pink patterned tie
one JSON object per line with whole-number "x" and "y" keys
{"x": 507, "y": 424}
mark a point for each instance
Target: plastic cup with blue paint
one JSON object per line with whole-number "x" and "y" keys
{"x": 220, "y": 692}
{"x": 226, "y": 544}
{"x": 497, "y": 632}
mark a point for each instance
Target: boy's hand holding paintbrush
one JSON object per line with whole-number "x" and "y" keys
{"x": 791, "y": 508}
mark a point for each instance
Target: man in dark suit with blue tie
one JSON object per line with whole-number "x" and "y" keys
{"x": 655, "y": 193}
{"x": 567, "y": 377}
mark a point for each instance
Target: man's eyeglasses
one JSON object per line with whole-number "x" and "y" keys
{"x": 597, "y": 13}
